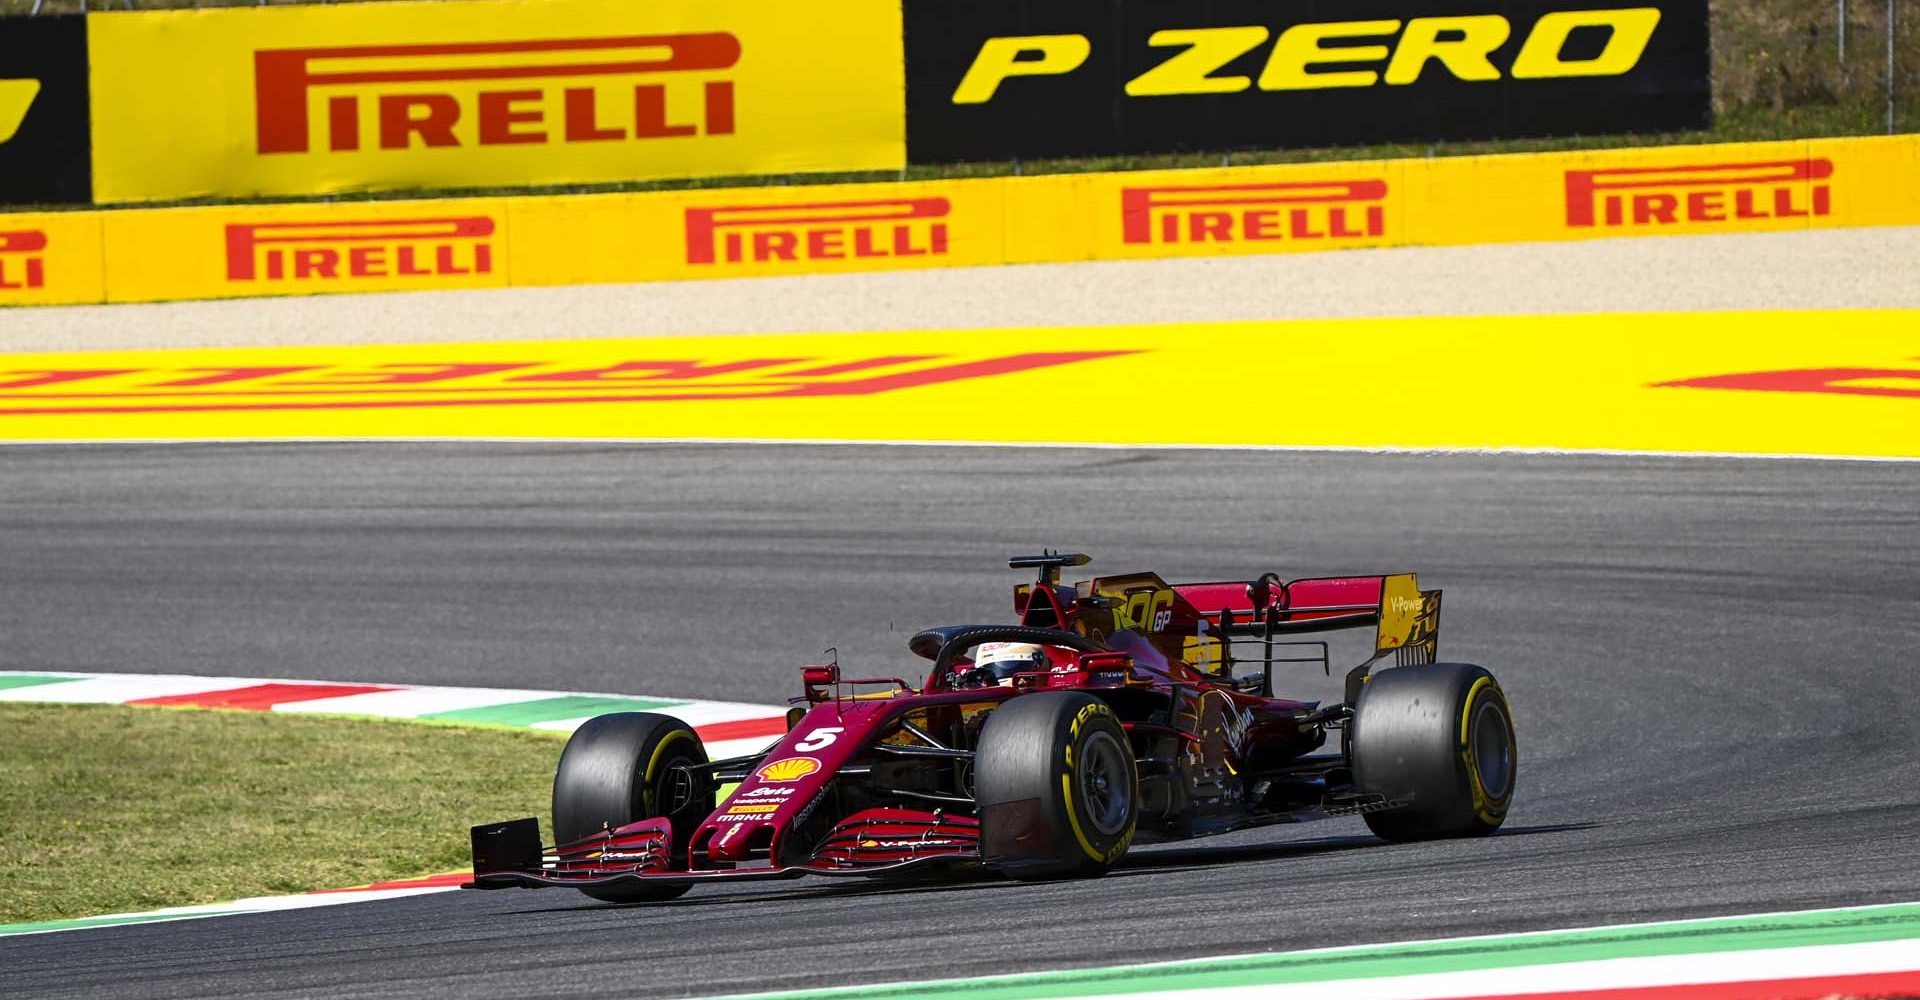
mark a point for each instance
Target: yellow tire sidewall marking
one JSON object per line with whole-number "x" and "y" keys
{"x": 1483, "y": 803}
{"x": 1073, "y": 801}
{"x": 653, "y": 767}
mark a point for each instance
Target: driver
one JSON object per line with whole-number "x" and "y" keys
{"x": 998, "y": 662}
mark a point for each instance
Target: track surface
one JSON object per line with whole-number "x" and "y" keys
{"x": 1711, "y": 662}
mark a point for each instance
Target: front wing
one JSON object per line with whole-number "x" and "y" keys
{"x": 871, "y": 843}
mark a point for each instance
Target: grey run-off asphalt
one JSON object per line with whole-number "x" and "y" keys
{"x": 1711, "y": 663}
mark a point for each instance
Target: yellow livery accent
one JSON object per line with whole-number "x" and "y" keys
{"x": 653, "y": 765}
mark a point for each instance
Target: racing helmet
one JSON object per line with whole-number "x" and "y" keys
{"x": 1004, "y": 659}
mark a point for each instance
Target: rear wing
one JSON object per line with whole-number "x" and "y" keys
{"x": 1406, "y": 618}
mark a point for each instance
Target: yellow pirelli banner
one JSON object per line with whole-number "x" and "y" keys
{"x": 245, "y": 250}
{"x": 759, "y": 231}
{"x": 1734, "y": 188}
{"x": 51, "y": 259}
{"x": 313, "y": 99}
{"x": 138, "y": 255}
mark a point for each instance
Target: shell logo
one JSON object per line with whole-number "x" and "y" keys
{"x": 790, "y": 769}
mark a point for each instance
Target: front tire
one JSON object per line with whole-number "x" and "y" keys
{"x": 623, "y": 768}
{"x": 1056, "y": 786}
{"x": 1439, "y": 740}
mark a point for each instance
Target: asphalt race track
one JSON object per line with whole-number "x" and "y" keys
{"x": 1713, "y": 664}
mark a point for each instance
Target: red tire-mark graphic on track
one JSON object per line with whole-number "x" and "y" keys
{"x": 788, "y": 386}
{"x": 1832, "y": 381}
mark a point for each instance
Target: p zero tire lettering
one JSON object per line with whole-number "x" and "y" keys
{"x": 1299, "y": 48}
{"x": 1002, "y": 58}
{"x": 1191, "y": 71}
{"x": 1468, "y": 57}
{"x": 1630, "y": 31}
{"x": 1012, "y": 80}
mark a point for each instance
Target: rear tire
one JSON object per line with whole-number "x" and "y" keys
{"x": 1056, "y": 786}
{"x": 623, "y": 768}
{"x": 1438, "y": 738}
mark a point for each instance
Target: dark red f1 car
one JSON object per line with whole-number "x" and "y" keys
{"x": 1112, "y": 714}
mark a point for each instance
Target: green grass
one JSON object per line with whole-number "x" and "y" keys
{"x": 107, "y": 808}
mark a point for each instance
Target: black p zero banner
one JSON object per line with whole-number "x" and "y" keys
{"x": 44, "y": 153}
{"x": 1004, "y": 79}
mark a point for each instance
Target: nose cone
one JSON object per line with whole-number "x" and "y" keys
{"x": 789, "y": 782}
{"x": 744, "y": 827}
{"x": 740, "y": 842}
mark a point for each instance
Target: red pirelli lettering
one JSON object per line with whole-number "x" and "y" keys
{"x": 21, "y": 263}
{"x": 374, "y": 248}
{"x": 841, "y": 230}
{"x": 1714, "y": 192}
{"x": 430, "y": 116}
{"x": 1230, "y": 213}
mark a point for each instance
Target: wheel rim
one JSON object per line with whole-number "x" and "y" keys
{"x": 1492, "y": 742}
{"x": 1105, "y": 782}
{"x": 673, "y": 788}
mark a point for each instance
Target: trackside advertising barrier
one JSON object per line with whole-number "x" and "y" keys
{"x": 310, "y": 99}
{"x": 313, "y": 99}
{"x": 52, "y": 258}
{"x": 43, "y": 110}
{"x": 1016, "y": 79}
{"x": 137, "y": 255}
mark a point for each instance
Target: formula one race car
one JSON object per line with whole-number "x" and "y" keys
{"x": 1112, "y": 714}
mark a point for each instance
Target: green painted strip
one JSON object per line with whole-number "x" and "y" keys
{"x": 129, "y": 918}
{"x": 32, "y": 680}
{"x": 571, "y": 706}
{"x": 1686, "y": 937}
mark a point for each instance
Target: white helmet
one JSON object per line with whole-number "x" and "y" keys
{"x": 1006, "y": 659}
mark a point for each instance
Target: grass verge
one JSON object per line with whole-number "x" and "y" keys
{"x": 108, "y": 808}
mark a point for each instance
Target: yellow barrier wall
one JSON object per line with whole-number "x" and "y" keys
{"x": 51, "y": 259}
{"x": 219, "y": 251}
{"x": 392, "y": 96}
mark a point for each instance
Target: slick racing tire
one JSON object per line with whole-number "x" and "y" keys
{"x": 1438, "y": 740}
{"x": 1056, "y": 786}
{"x": 623, "y": 768}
